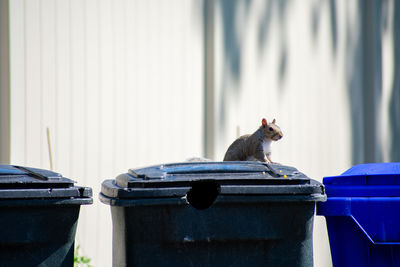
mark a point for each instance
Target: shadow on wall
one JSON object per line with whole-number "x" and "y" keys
{"x": 364, "y": 75}
{"x": 231, "y": 10}
{"x": 232, "y": 51}
{"x": 364, "y": 82}
{"x": 363, "y": 64}
{"x": 394, "y": 106}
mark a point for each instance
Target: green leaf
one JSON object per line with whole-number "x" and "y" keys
{"x": 86, "y": 260}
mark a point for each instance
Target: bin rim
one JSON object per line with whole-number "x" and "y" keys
{"x": 365, "y": 180}
{"x": 228, "y": 178}
{"x": 23, "y": 183}
{"x": 385, "y": 169}
{"x": 120, "y": 202}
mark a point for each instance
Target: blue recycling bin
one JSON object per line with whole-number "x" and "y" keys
{"x": 363, "y": 215}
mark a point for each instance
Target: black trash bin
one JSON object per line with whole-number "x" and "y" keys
{"x": 39, "y": 214}
{"x": 212, "y": 214}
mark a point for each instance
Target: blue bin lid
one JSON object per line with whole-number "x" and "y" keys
{"x": 366, "y": 180}
{"x": 18, "y": 182}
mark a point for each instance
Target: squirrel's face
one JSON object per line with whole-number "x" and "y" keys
{"x": 272, "y": 131}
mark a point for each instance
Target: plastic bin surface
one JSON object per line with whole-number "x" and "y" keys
{"x": 363, "y": 215}
{"x": 212, "y": 214}
{"x": 39, "y": 214}
{"x": 176, "y": 180}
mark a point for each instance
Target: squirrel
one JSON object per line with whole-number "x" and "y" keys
{"x": 257, "y": 146}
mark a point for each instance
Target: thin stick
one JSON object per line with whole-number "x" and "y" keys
{"x": 49, "y": 145}
{"x": 237, "y": 131}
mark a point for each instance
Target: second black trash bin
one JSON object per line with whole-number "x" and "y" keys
{"x": 212, "y": 214}
{"x": 39, "y": 215}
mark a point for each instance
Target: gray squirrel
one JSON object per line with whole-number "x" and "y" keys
{"x": 257, "y": 146}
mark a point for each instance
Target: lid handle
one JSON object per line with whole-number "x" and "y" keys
{"x": 5, "y": 171}
{"x": 34, "y": 174}
{"x": 212, "y": 168}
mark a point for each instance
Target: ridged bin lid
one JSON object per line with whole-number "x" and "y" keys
{"x": 366, "y": 180}
{"x": 17, "y": 182}
{"x": 229, "y": 178}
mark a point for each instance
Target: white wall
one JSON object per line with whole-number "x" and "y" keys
{"x": 119, "y": 84}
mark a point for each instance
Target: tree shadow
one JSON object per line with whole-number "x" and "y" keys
{"x": 279, "y": 8}
{"x": 363, "y": 66}
{"x": 231, "y": 40}
{"x": 231, "y": 10}
{"x": 363, "y": 63}
{"x": 354, "y": 87}
{"x": 394, "y": 106}
{"x": 232, "y": 51}
{"x": 365, "y": 86}
{"x": 317, "y": 11}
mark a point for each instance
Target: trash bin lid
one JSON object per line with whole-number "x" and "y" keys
{"x": 231, "y": 178}
{"x": 366, "y": 180}
{"x": 17, "y": 182}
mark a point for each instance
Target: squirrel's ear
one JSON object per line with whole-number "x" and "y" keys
{"x": 264, "y": 122}
{"x": 274, "y": 121}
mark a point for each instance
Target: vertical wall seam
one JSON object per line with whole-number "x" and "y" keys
{"x": 71, "y": 95}
{"x": 125, "y": 94}
{"x": 99, "y": 169}
{"x": 5, "y": 91}
{"x": 85, "y": 173}
{"x": 208, "y": 35}
{"x": 56, "y": 78}
{"x": 25, "y": 90}
{"x": 114, "y": 64}
{"x": 41, "y": 83}
{"x": 85, "y": 93}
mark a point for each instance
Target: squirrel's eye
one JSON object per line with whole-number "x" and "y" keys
{"x": 270, "y": 128}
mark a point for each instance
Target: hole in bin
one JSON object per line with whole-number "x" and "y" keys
{"x": 202, "y": 194}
